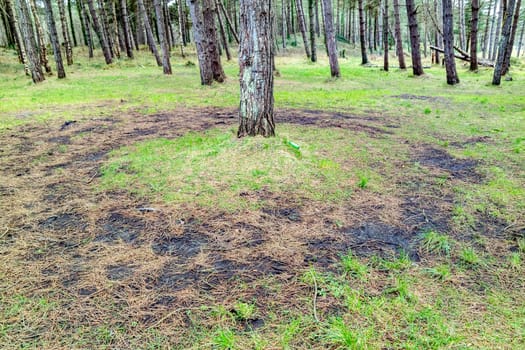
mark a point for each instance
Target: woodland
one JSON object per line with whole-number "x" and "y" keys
{"x": 262, "y": 174}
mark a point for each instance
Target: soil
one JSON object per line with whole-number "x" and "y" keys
{"x": 94, "y": 248}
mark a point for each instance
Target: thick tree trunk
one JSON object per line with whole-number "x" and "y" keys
{"x": 302, "y": 26}
{"x": 104, "y": 44}
{"x": 448, "y": 42}
{"x": 149, "y": 32}
{"x": 70, "y": 12}
{"x": 126, "y": 27}
{"x": 510, "y": 46}
{"x": 399, "y": 40}
{"x": 385, "y": 37}
{"x": 364, "y": 58}
{"x": 417, "y": 67}
{"x": 166, "y": 64}
{"x": 474, "y": 36}
{"x": 256, "y": 69}
{"x": 65, "y": 32}
{"x": 312, "y": 4}
{"x": 204, "y": 34}
{"x": 27, "y": 33}
{"x": 505, "y": 40}
{"x": 330, "y": 39}
{"x": 53, "y": 36}
{"x": 40, "y": 36}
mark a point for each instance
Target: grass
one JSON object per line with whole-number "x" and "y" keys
{"x": 465, "y": 291}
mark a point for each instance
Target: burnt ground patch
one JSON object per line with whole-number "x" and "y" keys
{"x": 117, "y": 226}
{"x": 464, "y": 169}
{"x": 64, "y": 222}
{"x": 182, "y": 247}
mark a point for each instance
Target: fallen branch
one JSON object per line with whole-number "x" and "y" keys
{"x": 464, "y": 58}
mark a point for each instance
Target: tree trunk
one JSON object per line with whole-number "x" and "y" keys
{"x": 256, "y": 69}
{"x": 53, "y": 36}
{"x": 223, "y": 34}
{"x": 385, "y": 37}
{"x": 399, "y": 40}
{"x": 497, "y": 32}
{"x": 283, "y": 26}
{"x": 330, "y": 39}
{"x": 461, "y": 18}
{"x": 486, "y": 31}
{"x": 149, "y": 33}
{"x": 204, "y": 34}
{"x": 302, "y": 26}
{"x": 166, "y": 64}
{"x": 505, "y": 40}
{"x": 126, "y": 27}
{"x": 228, "y": 20}
{"x": 311, "y": 14}
{"x": 27, "y": 33}
{"x": 448, "y": 43}
{"x": 510, "y": 46}
{"x": 73, "y": 34}
{"x": 106, "y": 27}
{"x": 417, "y": 67}
{"x": 520, "y": 43}
{"x": 40, "y": 36}
{"x": 87, "y": 27}
{"x": 104, "y": 44}
{"x": 65, "y": 32}
{"x": 364, "y": 58}
{"x": 474, "y": 36}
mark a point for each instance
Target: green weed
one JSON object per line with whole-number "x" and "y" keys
{"x": 435, "y": 242}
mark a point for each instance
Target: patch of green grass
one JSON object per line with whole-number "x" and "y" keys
{"x": 353, "y": 267}
{"x": 435, "y": 242}
{"x": 339, "y": 333}
{"x": 224, "y": 339}
{"x": 214, "y": 168}
{"x": 244, "y": 311}
{"x": 470, "y": 257}
{"x": 440, "y": 272}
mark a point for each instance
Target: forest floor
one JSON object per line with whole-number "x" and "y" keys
{"x": 387, "y": 213}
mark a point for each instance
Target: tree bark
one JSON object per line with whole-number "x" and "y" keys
{"x": 204, "y": 34}
{"x": 461, "y": 18}
{"x": 223, "y": 34}
{"x": 417, "y": 67}
{"x": 70, "y": 12}
{"x": 505, "y": 40}
{"x": 497, "y": 31}
{"x": 40, "y": 36}
{"x": 104, "y": 44}
{"x": 65, "y": 32}
{"x": 486, "y": 31}
{"x": 312, "y": 4}
{"x": 385, "y": 37}
{"x": 474, "y": 36}
{"x": 228, "y": 20}
{"x": 53, "y": 36}
{"x": 330, "y": 39}
{"x": 27, "y": 33}
{"x": 510, "y": 46}
{"x": 166, "y": 64}
{"x": 362, "y": 41}
{"x": 399, "y": 40}
{"x": 149, "y": 33}
{"x": 256, "y": 69}
{"x": 448, "y": 42}
{"x": 83, "y": 13}
{"x": 520, "y": 43}
{"x": 126, "y": 27}
{"x": 302, "y": 26}
{"x": 106, "y": 27}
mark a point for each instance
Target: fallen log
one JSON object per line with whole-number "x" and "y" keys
{"x": 464, "y": 57}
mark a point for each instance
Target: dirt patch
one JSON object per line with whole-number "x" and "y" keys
{"x": 119, "y": 272}
{"x": 118, "y": 226}
{"x": 292, "y": 214}
{"x": 420, "y": 98}
{"x": 181, "y": 247}
{"x": 64, "y": 221}
{"x": 464, "y": 169}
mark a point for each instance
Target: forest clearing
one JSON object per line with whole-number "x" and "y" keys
{"x": 139, "y": 212}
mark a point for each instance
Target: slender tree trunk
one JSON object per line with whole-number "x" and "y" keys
{"x": 283, "y": 26}
{"x": 486, "y": 31}
{"x": 399, "y": 40}
{"x": 461, "y": 18}
{"x": 510, "y": 46}
{"x": 520, "y": 43}
{"x": 53, "y": 36}
{"x": 385, "y": 37}
{"x": 126, "y": 27}
{"x": 223, "y": 35}
{"x": 256, "y": 69}
{"x": 182, "y": 25}
{"x": 104, "y": 44}
{"x": 474, "y": 36}
{"x": 166, "y": 64}
{"x": 106, "y": 27}
{"x": 149, "y": 33}
{"x": 505, "y": 40}
{"x": 13, "y": 22}
{"x": 497, "y": 30}
{"x": 87, "y": 26}
{"x": 302, "y": 26}
{"x": 312, "y": 4}
{"x": 330, "y": 39}
{"x": 417, "y": 67}
{"x": 40, "y": 37}
{"x": 448, "y": 43}
{"x": 73, "y": 34}
{"x": 65, "y": 32}
{"x": 229, "y": 21}
{"x": 27, "y": 33}
{"x": 364, "y": 58}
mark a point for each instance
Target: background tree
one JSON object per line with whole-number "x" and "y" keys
{"x": 256, "y": 69}
{"x": 29, "y": 42}
{"x": 161, "y": 32}
{"x": 474, "y": 35}
{"x": 417, "y": 67}
{"x": 399, "y": 40}
{"x": 331, "y": 46}
{"x": 505, "y": 39}
{"x": 448, "y": 43}
{"x": 53, "y": 36}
